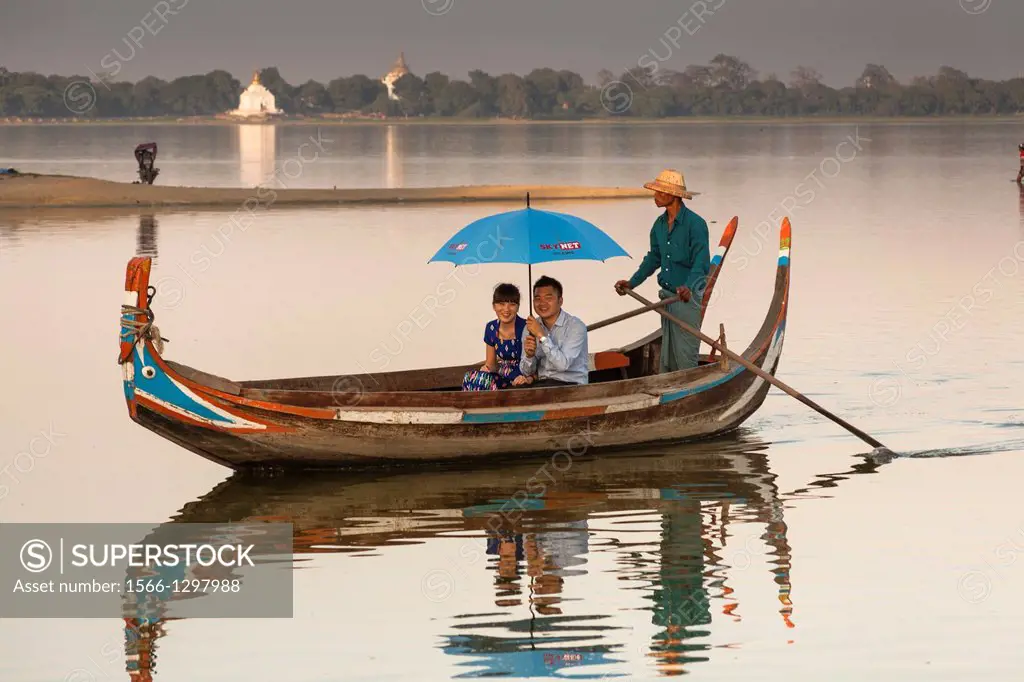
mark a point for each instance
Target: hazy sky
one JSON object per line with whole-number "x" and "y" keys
{"x": 323, "y": 39}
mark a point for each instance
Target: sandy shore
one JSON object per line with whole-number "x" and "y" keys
{"x": 31, "y": 191}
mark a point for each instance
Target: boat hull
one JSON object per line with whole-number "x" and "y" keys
{"x": 329, "y": 443}
{"x": 412, "y": 417}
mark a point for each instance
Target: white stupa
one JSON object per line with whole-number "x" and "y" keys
{"x": 256, "y": 101}
{"x": 397, "y": 71}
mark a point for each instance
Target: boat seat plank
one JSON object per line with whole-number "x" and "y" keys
{"x": 607, "y": 360}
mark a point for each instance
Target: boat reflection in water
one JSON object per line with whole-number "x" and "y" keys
{"x": 665, "y": 516}
{"x": 149, "y": 604}
{"x": 140, "y": 637}
{"x": 1020, "y": 188}
{"x": 145, "y": 242}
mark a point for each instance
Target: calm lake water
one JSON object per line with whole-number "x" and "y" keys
{"x": 781, "y": 552}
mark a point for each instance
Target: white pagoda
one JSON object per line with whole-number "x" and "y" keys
{"x": 256, "y": 101}
{"x": 397, "y": 71}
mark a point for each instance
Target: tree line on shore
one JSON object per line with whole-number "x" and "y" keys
{"x": 727, "y": 86}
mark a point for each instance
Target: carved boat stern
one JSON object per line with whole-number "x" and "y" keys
{"x": 136, "y": 320}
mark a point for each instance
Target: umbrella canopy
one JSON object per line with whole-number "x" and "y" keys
{"x": 528, "y": 236}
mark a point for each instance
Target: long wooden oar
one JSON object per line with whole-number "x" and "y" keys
{"x": 632, "y": 313}
{"x": 761, "y": 373}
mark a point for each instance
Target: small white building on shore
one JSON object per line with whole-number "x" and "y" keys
{"x": 399, "y": 69}
{"x": 256, "y": 101}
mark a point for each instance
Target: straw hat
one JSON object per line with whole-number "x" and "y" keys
{"x": 670, "y": 181}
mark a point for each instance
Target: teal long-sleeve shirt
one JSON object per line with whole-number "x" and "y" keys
{"x": 681, "y": 257}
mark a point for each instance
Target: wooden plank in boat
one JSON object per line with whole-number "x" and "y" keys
{"x": 671, "y": 393}
{"x": 441, "y": 415}
{"x": 579, "y": 408}
{"x": 205, "y": 378}
{"x": 376, "y": 415}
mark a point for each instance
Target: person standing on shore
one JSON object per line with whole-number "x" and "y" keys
{"x": 1020, "y": 173}
{"x": 680, "y": 248}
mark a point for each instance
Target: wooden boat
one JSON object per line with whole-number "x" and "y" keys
{"x": 423, "y": 415}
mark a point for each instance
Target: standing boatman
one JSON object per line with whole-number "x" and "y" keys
{"x": 681, "y": 255}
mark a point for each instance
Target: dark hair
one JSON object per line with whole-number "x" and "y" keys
{"x": 506, "y": 293}
{"x": 546, "y": 281}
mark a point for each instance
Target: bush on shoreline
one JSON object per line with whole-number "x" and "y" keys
{"x": 726, "y": 87}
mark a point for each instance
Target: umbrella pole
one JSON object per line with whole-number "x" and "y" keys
{"x": 529, "y": 284}
{"x": 529, "y": 270}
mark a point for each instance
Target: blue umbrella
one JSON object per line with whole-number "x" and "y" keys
{"x": 528, "y": 236}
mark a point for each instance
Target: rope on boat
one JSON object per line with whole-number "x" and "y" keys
{"x": 143, "y": 328}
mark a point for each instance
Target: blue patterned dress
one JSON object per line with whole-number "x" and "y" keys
{"x": 508, "y": 353}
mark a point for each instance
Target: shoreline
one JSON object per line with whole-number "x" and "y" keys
{"x": 440, "y": 121}
{"x": 32, "y": 191}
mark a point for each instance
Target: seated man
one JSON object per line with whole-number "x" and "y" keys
{"x": 555, "y": 347}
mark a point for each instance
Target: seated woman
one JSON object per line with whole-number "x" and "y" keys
{"x": 503, "y": 341}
